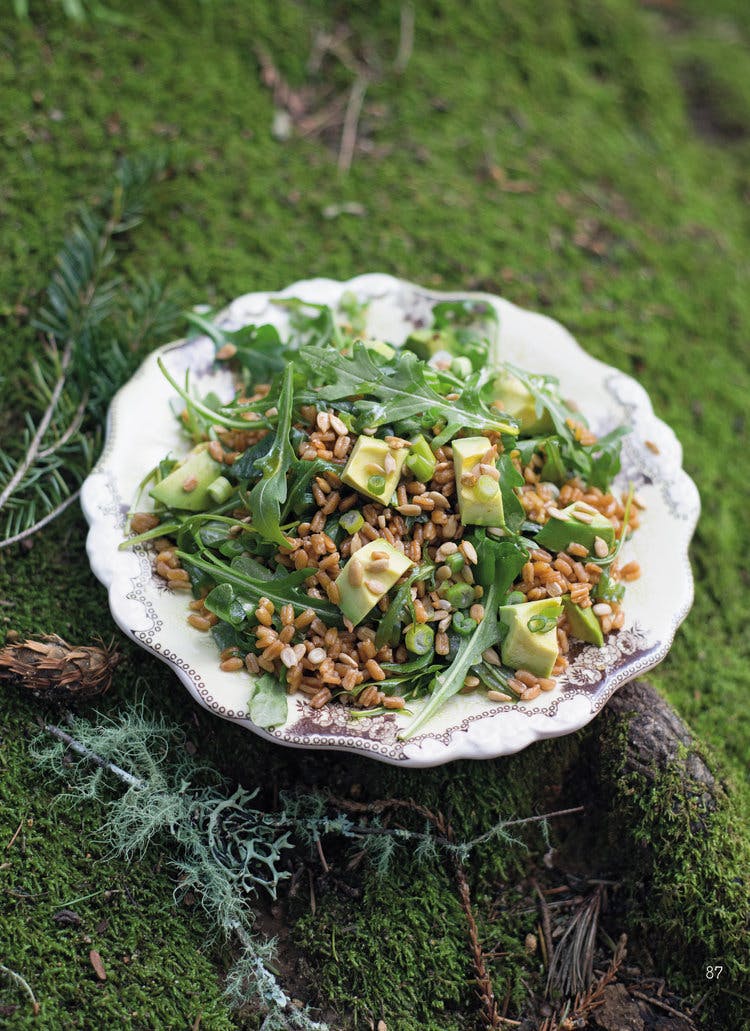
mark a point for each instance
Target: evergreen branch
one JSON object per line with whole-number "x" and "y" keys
{"x": 101, "y": 339}
{"x": 73, "y": 426}
{"x": 33, "y": 448}
{"x": 40, "y": 523}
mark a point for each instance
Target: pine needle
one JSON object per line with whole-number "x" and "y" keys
{"x": 96, "y": 329}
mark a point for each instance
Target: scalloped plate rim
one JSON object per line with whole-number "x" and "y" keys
{"x": 426, "y": 749}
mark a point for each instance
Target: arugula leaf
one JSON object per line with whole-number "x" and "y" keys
{"x": 251, "y": 567}
{"x": 544, "y": 390}
{"x": 248, "y": 465}
{"x": 223, "y": 602}
{"x": 472, "y": 324}
{"x": 268, "y": 703}
{"x": 553, "y": 470}
{"x": 320, "y": 329}
{"x": 450, "y": 680}
{"x": 499, "y": 561}
{"x": 269, "y": 493}
{"x": 260, "y": 352}
{"x": 221, "y": 416}
{"x": 400, "y": 389}
{"x": 302, "y": 474}
{"x": 355, "y": 312}
{"x": 281, "y": 590}
{"x": 495, "y": 679}
{"x": 597, "y": 463}
{"x": 403, "y": 668}
{"x": 510, "y": 477}
{"x": 605, "y": 458}
{"x": 388, "y": 631}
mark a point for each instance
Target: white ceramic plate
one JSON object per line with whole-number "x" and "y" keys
{"x": 141, "y": 430}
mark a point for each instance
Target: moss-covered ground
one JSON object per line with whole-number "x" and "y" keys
{"x": 586, "y": 159}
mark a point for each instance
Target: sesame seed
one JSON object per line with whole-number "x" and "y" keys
{"x": 374, "y": 586}
{"x": 323, "y": 421}
{"x": 389, "y": 464}
{"x": 338, "y": 426}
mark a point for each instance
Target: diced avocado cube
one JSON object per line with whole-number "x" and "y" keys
{"x": 426, "y": 343}
{"x": 512, "y": 397}
{"x": 480, "y": 503}
{"x": 366, "y": 468}
{"x": 565, "y": 527}
{"x": 366, "y": 578}
{"x": 187, "y": 486}
{"x": 531, "y": 640}
{"x": 380, "y": 347}
{"x": 583, "y": 623}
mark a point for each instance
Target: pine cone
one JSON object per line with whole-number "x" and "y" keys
{"x": 51, "y": 669}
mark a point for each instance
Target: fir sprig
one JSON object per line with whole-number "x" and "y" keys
{"x": 94, "y": 341}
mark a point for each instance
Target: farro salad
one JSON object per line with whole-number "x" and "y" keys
{"x": 370, "y": 523}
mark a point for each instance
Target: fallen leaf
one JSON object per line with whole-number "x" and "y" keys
{"x": 96, "y": 962}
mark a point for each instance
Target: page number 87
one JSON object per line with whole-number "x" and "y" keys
{"x": 714, "y": 973}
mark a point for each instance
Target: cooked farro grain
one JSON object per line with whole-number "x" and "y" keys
{"x": 232, "y": 665}
{"x": 424, "y": 524}
{"x": 499, "y": 696}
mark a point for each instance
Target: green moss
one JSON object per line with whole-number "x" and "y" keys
{"x": 685, "y": 864}
{"x": 398, "y": 953}
{"x": 582, "y": 102}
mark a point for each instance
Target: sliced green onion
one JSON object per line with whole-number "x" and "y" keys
{"x": 352, "y": 521}
{"x": 421, "y": 459}
{"x": 220, "y": 490}
{"x": 541, "y": 624}
{"x": 464, "y": 625}
{"x": 376, "y": 484}
{"x": 421, "y": 468}
{"x": 515, "y": 598}
{"x": 460, "y": 595}
{"x": 461, "y": 366}
{"x": 455, "y": 562}
{"x": 419, "y": 638}
{"x": 486, "y": 487}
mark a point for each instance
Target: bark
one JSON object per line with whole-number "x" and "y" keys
{"x": 658, "y": 739}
